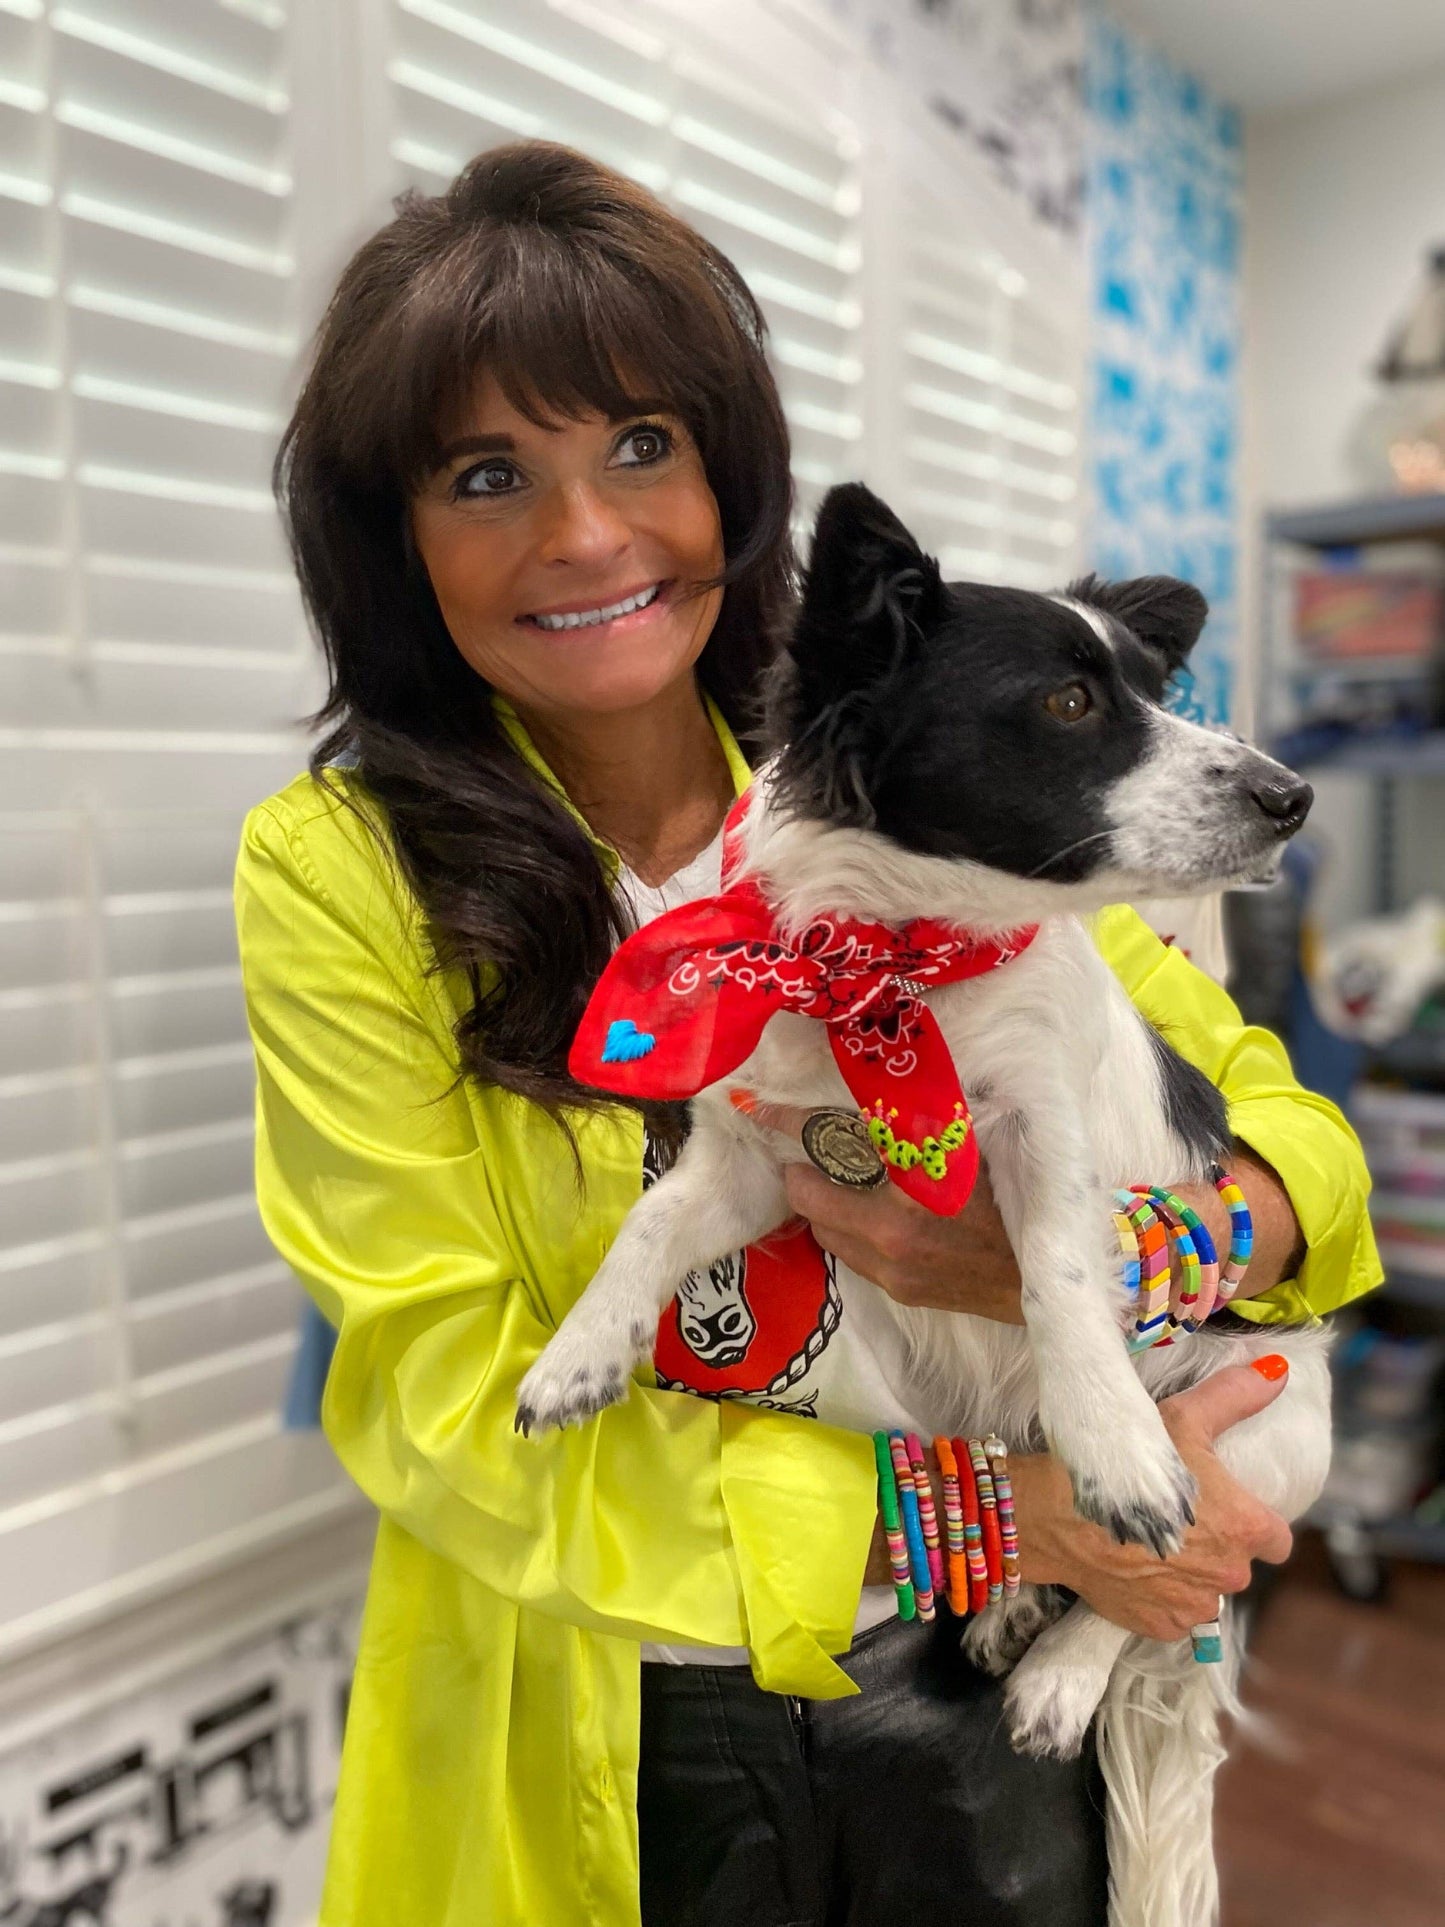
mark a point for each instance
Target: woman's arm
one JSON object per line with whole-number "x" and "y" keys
{"x": 1160, "y": 1598}
{"x": 431, "y": 1232}
{"x": 1297, "y": 1161}
{"x": 966, "y": 1263}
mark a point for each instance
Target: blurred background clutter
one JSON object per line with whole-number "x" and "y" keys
{"x": 1140, "y": 286}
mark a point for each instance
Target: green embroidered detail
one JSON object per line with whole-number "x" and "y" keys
{"x": 904, "y": 1154}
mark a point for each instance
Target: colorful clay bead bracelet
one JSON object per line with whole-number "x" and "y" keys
{"x": 988, "y": 1513}
{"x": 1184, "y": 1267}
{"x": 1241, "y": 1233}
{"x": 912, "y": 1527}
{"x": 927, "y": 1513}
{"x": 1151, "y": 1319}
{"x": 954, "y": 1527}
{"x": 1207, "y": 1287}
{"x": 997, "y": 1454}
{"x": 972, "y": 1528}
{"x": 893, "y": 1527}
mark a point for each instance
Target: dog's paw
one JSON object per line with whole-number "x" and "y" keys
{"x": 997, "y": 1638}
{"x": 1148, "y": 1501}
{"x": 1048, "y": 1708}
{"x": 576, "y": 1378}
{"x": 1125, "y": 1471}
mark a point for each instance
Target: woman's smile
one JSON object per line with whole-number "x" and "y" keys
{"x": 632, "y": 607}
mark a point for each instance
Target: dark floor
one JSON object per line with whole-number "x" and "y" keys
{"x": 1342, "y": 1822}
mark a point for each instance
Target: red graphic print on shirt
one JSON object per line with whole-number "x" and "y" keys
{"x": 753, "y": 1324}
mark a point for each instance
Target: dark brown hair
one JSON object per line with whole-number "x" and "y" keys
{"x": 565, "y": 281}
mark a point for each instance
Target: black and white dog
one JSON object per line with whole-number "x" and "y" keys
{"x": 991, "y": 758}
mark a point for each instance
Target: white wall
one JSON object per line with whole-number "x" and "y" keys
{"x": 1341, "y": 201}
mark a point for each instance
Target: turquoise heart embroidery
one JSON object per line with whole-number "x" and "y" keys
{"x": 625, "y": 1042}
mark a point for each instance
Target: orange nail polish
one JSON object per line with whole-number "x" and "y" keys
{"x": 1271, "y": 1366}
{"x": 743, "y": 1101}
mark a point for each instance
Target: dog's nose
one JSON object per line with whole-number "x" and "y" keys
{"x": 1285, "y": 800}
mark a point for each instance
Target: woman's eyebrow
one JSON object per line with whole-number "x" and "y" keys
{"x": 478, "y": 445}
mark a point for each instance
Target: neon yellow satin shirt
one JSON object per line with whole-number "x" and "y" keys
{"x": 489, "y": 1773}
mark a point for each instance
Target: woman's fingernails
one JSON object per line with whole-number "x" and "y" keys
{"x": 743, "y": 1101}
{"x": 1271, "y": 1366}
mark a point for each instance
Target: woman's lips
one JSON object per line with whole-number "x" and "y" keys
{"x": 633, "y": 607}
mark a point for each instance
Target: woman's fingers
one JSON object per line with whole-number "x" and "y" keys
{"x": 787, "y": 1119}
{"x": 1225, "y": 1397}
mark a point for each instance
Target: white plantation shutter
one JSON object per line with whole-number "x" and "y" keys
{"x": 989, "y": 407}
{"x": 151, "y": 663}
{"x": 180, "y": 180}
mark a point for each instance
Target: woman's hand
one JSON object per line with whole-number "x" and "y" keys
{"x": 964, "y": 1263}
{"x": 1161, "y": 1598}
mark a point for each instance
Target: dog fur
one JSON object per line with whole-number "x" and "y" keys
{"x": 923, "y": 768}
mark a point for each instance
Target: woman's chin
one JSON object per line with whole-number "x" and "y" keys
{"x": 599, "y": 676}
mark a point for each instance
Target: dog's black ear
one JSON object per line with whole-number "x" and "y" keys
{"x": 869, "y": 597}
{"x": 1163, "y": 612}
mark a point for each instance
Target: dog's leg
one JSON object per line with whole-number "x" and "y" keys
{"x": 725, "y": 1191}
{"x": 1056, "y": 1688}
{"x": 1098, "y": 1418}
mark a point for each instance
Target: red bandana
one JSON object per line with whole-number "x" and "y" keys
{"x": 684, "y": 1001}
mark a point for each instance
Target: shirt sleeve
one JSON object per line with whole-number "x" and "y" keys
{"x": 667, "y": 1517}
{"x": 1301, "y": 1135}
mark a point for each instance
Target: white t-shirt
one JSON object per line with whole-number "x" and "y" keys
{"x": 774, "y": 1325}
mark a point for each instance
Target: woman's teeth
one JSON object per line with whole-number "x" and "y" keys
{"x": 589, "y": 618}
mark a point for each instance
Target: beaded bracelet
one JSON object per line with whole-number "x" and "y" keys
{"x": 953, "y": 1519}
{"x": 912, "y": 1527}
{"x": 927, "y": 1513}
{"x": 997, "y": 1455}
{"x": 972, "y": 1528}
{"x": 1184, "y": 1290}
{"x": 1207, "y": 1289}
{"x": 988, "y": 1515}
{"x": 1151, "y": 1322}
{"x": 1132, "y": 1270}
{"x": 1241, "y": 1233}
{"x": 893, "y": 1527}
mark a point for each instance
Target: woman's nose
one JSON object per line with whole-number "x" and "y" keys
{"x": 584, "y": 528}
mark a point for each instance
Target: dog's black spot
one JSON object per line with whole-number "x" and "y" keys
{"x": 1194, "y": 1107}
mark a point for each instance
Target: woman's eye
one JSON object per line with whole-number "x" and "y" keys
{"x": 1070, "y": 703}
{"x": 488, "y": 478}
{"x": 641, "y": 446}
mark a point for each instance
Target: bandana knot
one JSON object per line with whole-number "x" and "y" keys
{"x": 684, "y": 1001}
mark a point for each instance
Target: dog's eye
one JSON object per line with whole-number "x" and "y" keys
{"x": 1070, "y": 703}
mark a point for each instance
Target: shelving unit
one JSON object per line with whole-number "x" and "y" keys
{"x": 1415, "y": 1273}
{"x": 1389, "y": 758}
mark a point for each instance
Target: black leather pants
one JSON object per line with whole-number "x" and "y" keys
{"x": 904, "y": 1803}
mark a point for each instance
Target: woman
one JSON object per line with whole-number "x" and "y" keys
{"x": 538, "y": 496}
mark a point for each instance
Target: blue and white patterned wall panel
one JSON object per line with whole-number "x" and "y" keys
{"x": 1163, "y": 226}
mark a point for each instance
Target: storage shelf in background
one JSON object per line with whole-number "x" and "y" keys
{"x": 1348, "y": 525}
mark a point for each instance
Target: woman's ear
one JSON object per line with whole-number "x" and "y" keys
{"x": 1163, "y": 612}
{"x": 870, "y": 597}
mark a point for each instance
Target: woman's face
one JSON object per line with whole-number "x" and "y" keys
{"x": 533, "y": 537}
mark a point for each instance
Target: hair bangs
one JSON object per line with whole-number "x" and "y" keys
{"x": 565, "y": 332}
